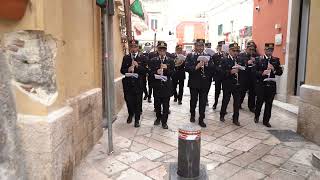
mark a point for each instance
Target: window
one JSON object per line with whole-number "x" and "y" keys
{"x": 154, "y": 24}
{"x": 220, "y": 29}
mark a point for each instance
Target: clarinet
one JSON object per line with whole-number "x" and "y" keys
{"x": 237, "y": 74}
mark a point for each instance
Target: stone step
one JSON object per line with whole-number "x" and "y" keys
{"x": 291, "y": 108}
{"x": 316, "y": 160}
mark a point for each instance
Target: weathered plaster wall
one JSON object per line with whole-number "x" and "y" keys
{"x": 10, "y": 160}
{"x": 118, "y": 55}
{"x": 75, "y": 26}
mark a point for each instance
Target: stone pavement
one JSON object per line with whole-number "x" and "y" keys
{"x": 229, "y": 152}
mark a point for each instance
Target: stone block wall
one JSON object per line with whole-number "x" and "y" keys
{"x": 309, "y": 113}
{"x": 53, "y": 145}
{"x": 119, "y": 97}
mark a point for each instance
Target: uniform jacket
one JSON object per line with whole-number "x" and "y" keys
{"x": 261, "y": 64}
{"x": 196, "y": 79}
{"x": 217, "y": 60}
{"x": 161, "y": 89}
{"x": 230, "y": 80}
{"x": 130, "y": 84}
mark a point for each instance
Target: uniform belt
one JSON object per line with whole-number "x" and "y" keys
{"x": 269, "y": 83}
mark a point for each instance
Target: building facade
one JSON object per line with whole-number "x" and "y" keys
{"x": 230, "y": 21}
{"x": 188, "y": 31}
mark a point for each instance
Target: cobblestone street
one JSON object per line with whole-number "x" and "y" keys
{"x": 228, "y": 151}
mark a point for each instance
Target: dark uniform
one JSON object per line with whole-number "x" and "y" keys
{"x": 266, "y": 90}
{"x": 178, "y": 79}
{"x": 210, "y": 52}
{"x": 199, "y": 82}
{"x": 218, "y": 75}
{"x": 150, "y": 56}
{"x": 162, "y": 89}
{"x": 249, "y": 83}
{"x": 231, "y": 85}
{"x": 132, "y": 87}
{"x": 145, "y": 90}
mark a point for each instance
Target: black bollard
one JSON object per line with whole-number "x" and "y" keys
{"x": 189, "y": 152}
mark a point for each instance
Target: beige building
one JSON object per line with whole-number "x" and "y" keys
{"x": 309, "y": 108}
{"x": 54, "y": 55}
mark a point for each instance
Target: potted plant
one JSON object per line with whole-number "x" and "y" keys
{"x": 12, "y": 9}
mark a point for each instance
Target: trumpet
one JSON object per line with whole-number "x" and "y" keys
{"x": 179, "y": 60}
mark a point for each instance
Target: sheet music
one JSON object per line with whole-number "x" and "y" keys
{"x": 242, "y": 68}
{"x": 162, "y": 78}
{"x": 209, "y": 51}
{"x": 134, "y": 75}
{"x": 204, "y": 58}
{"x": 270, "y": 79}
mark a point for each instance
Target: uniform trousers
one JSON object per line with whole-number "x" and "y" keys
{"x": 134, "y": 104}
{"x": 145, "y": 90}
{"x": 265, "y": 94}
{"x": 175, "y": 83}
{"x": 201, "y": 94}
{"x": 217, "y": 90}
{"x": 227, "y": 92}
{"x": 162, "y": 108}
{"x": 250, "y": 88}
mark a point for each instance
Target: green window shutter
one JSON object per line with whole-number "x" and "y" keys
{"x": 136, "y": 8}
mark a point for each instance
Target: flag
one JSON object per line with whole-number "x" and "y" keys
{"x": 101, "y": 3}
{"x": 136, "y": 8}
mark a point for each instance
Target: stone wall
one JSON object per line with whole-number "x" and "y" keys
{"x": 309, "y": 113}
{"x": 53, "y": 145}
{"x": 10, "y": 162}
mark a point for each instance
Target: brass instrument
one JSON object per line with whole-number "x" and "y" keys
{"x": 179, "y": 60}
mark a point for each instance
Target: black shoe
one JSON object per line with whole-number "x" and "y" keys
{"x": 145, "y": 98}
{"x": 129, "y": 120}
{"x": 149, "y": 100}
{"x": 207, "y": 104}
{"x": 165, "y": 126}
{"x": 252, "y": 110}
{"x": 236, "y": 122}
{"x": 180, "y": 102}
{"x": 202, "y": 124}
{"x": 175, "y": 100}
{"x": 157, "y": 122}
{"x": 169, "y": 112}
{"x": 222, "y": 119}
{"x": 256, "y": 119}
{"x": 267, "y": 124}
{"x": 214, "y": 107}
{"x": 192, "y": 119}
{"x": 136, "y": 124}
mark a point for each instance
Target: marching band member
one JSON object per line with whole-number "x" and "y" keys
{"x": 267, "y": 67}
{"x": 133, "y": 67}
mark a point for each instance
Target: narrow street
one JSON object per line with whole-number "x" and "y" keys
{"x": 229, "y": 152}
